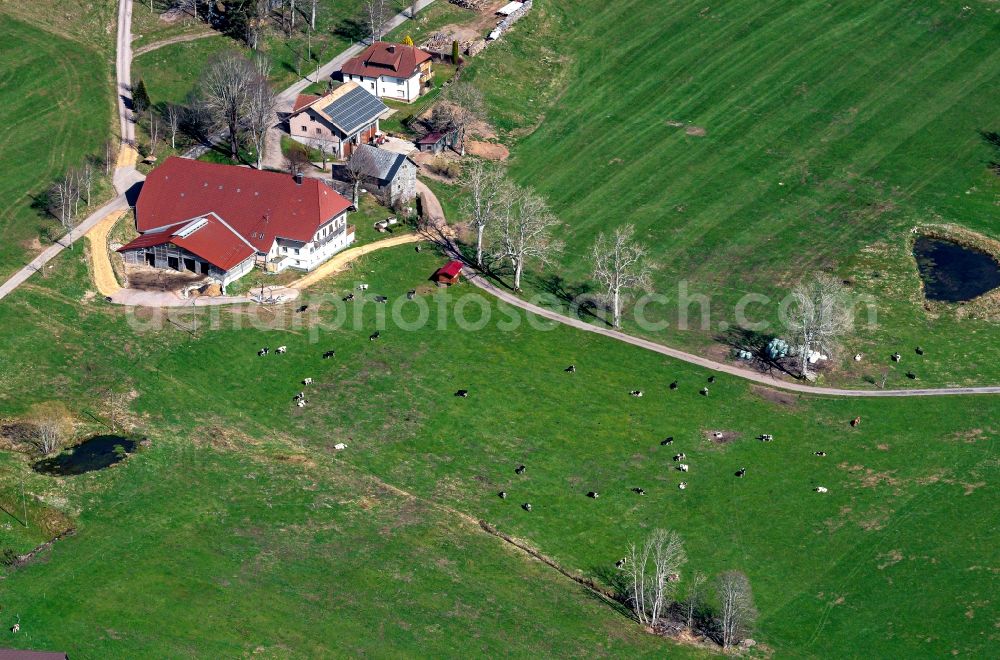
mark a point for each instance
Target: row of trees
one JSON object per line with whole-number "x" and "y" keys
{"x": 653, "y": 574}
{"x": 65, "y": 197}
{"x": 515, "y": 224}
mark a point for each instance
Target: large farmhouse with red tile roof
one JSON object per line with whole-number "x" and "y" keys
{"x": 222, "y": 220}
{"x": 389, "y": 70}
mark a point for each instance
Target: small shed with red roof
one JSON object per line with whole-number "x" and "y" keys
{"x": 448, "y": 274}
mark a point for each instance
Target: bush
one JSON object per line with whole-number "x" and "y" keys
{"x": 445, "y": 167}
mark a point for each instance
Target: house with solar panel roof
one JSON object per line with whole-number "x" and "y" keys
{"x": 344, "y": 119}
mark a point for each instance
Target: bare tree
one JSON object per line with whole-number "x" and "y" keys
{"x": 63, "y": 196}
{"x": 487, "y": 186}
{"x": 737, "y": 613}
{"x": 312, "y": 13}
{"x": 260, "y": 111}
{"x": 53, "y": 425}
{"x": 323, "y": 147}
{"x": 819, "y": 314}
{"x": 298, "y": 159}
{"x": 620, "y": 264}
{"x": 358, "y": 167}
{"x": 463, "y": 107}
{"x": 87, "y": 178}
{"x": 376, "y": 12}
{"x": 154, "y": 133}
{"x": 110, "y": 156}
{"x": 172, "y": 114}
{"x": 524, "y": 230}
{"x": 694, "y": 599}
{"x": 226, "y": 87}
{"x": 653, "y": 571}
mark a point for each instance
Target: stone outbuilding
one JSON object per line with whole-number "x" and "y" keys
{"x": 391, "y": 175}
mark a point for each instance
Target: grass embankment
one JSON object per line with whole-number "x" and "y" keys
{"x": 55, "y": 111}
{"x": 752, "y": 145}
{"x": 866, "y": 566}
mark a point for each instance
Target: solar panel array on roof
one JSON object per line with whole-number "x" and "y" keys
{"x": 353, "y": 110}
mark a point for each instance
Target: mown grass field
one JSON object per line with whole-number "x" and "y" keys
{"x": 754, "y": 143}
{"x": 54, "y": 112}
{"x": 897, "y": 559}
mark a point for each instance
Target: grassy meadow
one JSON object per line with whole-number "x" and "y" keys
{"x": 754, "y": 143}
{"x": 234, "y": 478}
{"x": 55, "y": 110}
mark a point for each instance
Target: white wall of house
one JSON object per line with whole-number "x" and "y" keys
{"x": 329, "y": 239}
{"x": 238, "y": 271}
{"x": 401, "y": 89}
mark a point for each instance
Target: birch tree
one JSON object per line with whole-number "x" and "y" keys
{"x": 53, "y": 425}
{"x": 737, "y": 613}
{"x": 376, "y": 12}
{"x": 154, "y": 133}
{"x": 818, "y": 315}
{"x": 87, "y": 179}
{"x": 226, "y": 88}
{"x": 62, "y": 201}
{"x": 312, "y": 13}
{"x": 487, "y": 188}
{"x": 652, "y": 571}
{"x": 695, "y": 597}
{"x": 620, "y": 264}
{"x": 172, "y": 114}
{"x": 525, "y": 228}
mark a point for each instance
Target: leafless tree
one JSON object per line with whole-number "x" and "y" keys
{"x": 154, "y": 133}
{"x": 694, "y": 598}
{"x": 737, "y": 613}
{"x": 524, "y": 231}
{"x": 87, "y": 179}
{"x": 312, "y": 13}
{"x": 323, "y": 147}
{"x": 53, "y": 426}
{"x": 487, "y": 187}
{"x": 652, "y": 572}
{"x": 298, "y": 159}
{"x": 620, "y": 264}
{"x": 226, "y": 88}
{"x": 818, "y": 315}
{"x": 62, "y": 201}
{"x": 463, "y": 106}
{"x": 110, "y": 156}
{"x": 358, "y": 167}
{"x": 172, "y": 114}
{"x": 376, "y": 12}
{"x": 260, "y": 111}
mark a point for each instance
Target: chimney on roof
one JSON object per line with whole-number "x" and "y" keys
{"x": 298, "y": 178}
{"x": 391, "y": 48}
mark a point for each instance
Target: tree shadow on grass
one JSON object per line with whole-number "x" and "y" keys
{"x": 742, "y": 339}
{"x": 992, "y": 138}
{"x": 352, "y": 29}
{"x": 580, "y": 299}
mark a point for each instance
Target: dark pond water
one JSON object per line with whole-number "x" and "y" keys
{"x": 952, "y": 272}
{"x": 96, "y": 453}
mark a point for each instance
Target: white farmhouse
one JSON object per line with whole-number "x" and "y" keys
{"x": 391, "y": 71}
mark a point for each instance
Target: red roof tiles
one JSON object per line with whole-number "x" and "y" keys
{"x": 259, "y": 206}
{"x": 302, "y": 100}
{"x": 385, "y": 59}
{"x": 210, "y": 238}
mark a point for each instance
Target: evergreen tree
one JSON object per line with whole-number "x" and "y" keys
{"x": 140, "y": 98}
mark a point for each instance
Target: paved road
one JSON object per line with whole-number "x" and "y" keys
{"x": 436, "y": 217}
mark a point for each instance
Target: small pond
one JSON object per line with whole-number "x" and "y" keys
{"x": 953, "y": 272}
{"x": 95, "y": 453}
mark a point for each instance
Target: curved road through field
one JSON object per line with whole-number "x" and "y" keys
{"x": 436, "y": 216}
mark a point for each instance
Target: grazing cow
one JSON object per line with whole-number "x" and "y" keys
{"x": 302, "y": 308}
{"x": 667, "y": 441}
{"x": 717, "y": 435}
{"x": 820, "y": 489}
{"x": 621, "y": 562}
{"x": 301, "y": 403}
{"x": 911, "y": 375}
{"x": 856, "y": 421}
{"x": 592, "y": 494}
{"x": 411, "y": 294}
{"x": 704, "y": 391}
{"x": 682, "y": 485}
{"x": 328, "y": 355}
{"x": 683, "y": 467}
{"x": 679, "y": 457}
{"x": 307, "y": 381}
{"x": 299, "y": 396}
{"x": 519, "y": 469}
{"x": 502, "y": 494}
{"x": 711, "y": 379}
{"x": 362, "y": 287}
{"x": 636, "y": 393}
{"x": 281, "y": 349}
{"x": 16, "y": 628}
{"x": 896, "y": 357}
{"x": 374, "y": 336}
{"x": 264, "y": 351}
{"x": 766, "y": 437}
{"x": 638, "y": 491}
{"x": 857, "y": 357}
{"x": 339, "y": 446}
{"x": 673, "y": 385}
{"x": 381, "y": 299}
{"x": 820, "y": 453}
{"x": 417, "y": 248}
{"x": 462, "y": 393}
{"x": 919, "y": 350}
{"x": 526, "y": 506}
{"x": 571, "y": 369}
{"x": 349, "y": 297}
{"x": 741, "y": 472}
